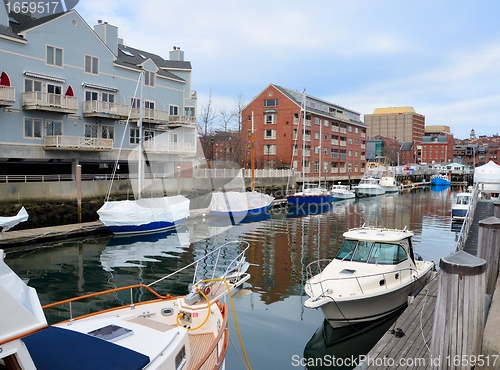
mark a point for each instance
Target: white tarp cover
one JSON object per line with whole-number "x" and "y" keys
{"x": 20, "y": 309}
{"x": 490, "y": 172}
{"x": 236, "y": 201}
{"x": 7, "y": 223}
{"x": 144, "y": 211}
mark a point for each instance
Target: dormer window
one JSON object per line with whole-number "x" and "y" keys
{"x": 149, "y": 78}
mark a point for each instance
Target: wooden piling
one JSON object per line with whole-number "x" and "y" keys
{"x": 488, "y": 248}
{"x": 459, "y": 315}
{"x": 496, "y": 208}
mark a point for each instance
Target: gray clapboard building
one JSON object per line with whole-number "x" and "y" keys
{"x": 67, "y": 91}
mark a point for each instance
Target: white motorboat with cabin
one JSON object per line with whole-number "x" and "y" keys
{"x": 341, "y": 192}
{"x": 163, "y": 332}
{"x": 373, "y": 274}
{"x": 460, "y": 209}
{"x": 368, "y": 187}
{"x": 388, "y": 181}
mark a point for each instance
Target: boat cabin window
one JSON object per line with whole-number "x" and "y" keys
{"x": 347, "y": 250}
{"x": 387, "y": 254}
{"x": 463, "y": 200}
{"x": 362, "y": 252}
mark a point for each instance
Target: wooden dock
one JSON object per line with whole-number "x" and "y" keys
{"x": 410, "y": 351}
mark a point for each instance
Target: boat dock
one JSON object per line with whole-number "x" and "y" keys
{"x": 409, "y": 345}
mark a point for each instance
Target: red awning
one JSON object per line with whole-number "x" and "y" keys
{"x": 4, "y": 79}
{"x": 69, "y": 92}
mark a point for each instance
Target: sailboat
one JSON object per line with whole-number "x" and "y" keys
{"x": 143, "y": 215}
{"x": 7, "y": 223}
{"x": 311, "y": 193}
{"x": 241, "y": 206}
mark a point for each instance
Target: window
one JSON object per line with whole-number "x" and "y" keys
{"x": 91, "y": 130}
{"x": 91, "y": 64}
{"x": 189, "y": 111}
{"x": 362, "y": 251}
{"x": 149, "y": 135}
{"x": 53, "y": 128}
{"x": 134, "y": 136}
{"x": 347, "y": 249}
{"x": 32, "y": 128}
{"x": 107, "y": 97}
{"x": 388, "y": 254}
{"x": 316, "y": 167}
{"x": 149, "y": 104}
{"x": 54, "y": 89}
{"x": 326, "y": 123}
{"x": 104, "y": 96}
{"x": 271, "y": 103}
{"x": 91, "y": 95}
{"x": 135, "y": 103}
{"x": 316, "y": 135}
{"x": 317, "y": 121}
{"x": 270, "y": 119}
{"x": 173, "y": 110}
{"x": 32, "y": 85}
{"x": 269, "y": 134}
{"x": 269, "y": 149}
{"x": 149, "y": 78}
{"x": 107, "y": 132}
{"x": 54, "y": 56}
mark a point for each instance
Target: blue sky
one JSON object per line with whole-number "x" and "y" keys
{"x": 440, "y": 57}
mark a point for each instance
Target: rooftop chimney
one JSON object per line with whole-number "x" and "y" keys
{"x": 108, "y": 34}
{"x": 176, "y": 54}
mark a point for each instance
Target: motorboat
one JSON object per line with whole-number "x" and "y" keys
{"x": 161, "y": 332}
{"x": 388, "y": 182}
{"x": 373, "y": 275}
{"x": 440, "y": 180}
{"x": 310, "y": 194}
{"x": 368, "y": 187}
{"x": 239, "y": 206}
{"x": 341, "y": 192}
{"x": 8, "y": 222}
{"x": 460, "y": 209}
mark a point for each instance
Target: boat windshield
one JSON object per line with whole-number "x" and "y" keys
{"x": 372, "y": 252}
{"x": 462, "y": 200}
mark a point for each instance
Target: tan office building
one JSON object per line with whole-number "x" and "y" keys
{"x": 402, "y": 124}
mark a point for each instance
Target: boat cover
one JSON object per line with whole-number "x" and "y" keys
{"x": 144, "y": 211}
{"x": 20, "y": 308}
{"x": 235, "y": 201}
{"x": 7, "y": 223}
{"x": 490, "y": 173}
{"x": 61, "y": 349}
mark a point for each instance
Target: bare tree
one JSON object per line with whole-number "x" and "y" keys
{"x": 239, "y": 104}
{"x": 226, "y": 117}
{"x": 207, "y": 115}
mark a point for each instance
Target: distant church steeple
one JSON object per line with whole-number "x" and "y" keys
{"x": 472, "y": 135}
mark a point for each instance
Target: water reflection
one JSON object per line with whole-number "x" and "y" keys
{"x": 342, "y": 348}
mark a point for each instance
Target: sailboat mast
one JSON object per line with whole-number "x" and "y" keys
{"x": 140, "y": 167}
{"x": 320, "y": 149}
{"x": 303, "y": 136}
{"x": 253, "y": 154}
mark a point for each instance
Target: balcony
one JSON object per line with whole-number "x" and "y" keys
{"x": 178, "y": 121}
{"x": 77, "y": 143}
{"x": 150, "y": 115}
{"x": 7, "y": 95}
{"x": 156, "y": 146}
{"x": 37, "y": 100}
{"x": 103, "y": 109}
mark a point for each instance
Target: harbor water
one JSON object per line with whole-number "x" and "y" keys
{"x": 276, "y": 330}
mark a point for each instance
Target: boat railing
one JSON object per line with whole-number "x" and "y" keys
{"x": 359, "y": 279}
{"x": 235, "y": 265}
{"x": 467, "y": 222}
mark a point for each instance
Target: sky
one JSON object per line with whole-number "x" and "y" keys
{"x": 440, "y": 57}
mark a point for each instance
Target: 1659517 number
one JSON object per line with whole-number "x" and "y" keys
{"x": 32, "y": 7}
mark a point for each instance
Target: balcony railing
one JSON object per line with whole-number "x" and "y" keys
{"x": 105, "y": 109}
{"x": 77, "y": 143}
{"x": 161, "y": 147}
{"x": 37, "y": 100}
{"x": 150, "y": 115}
{"x": 7, "y": 95}
{"x": 177, "y": 121}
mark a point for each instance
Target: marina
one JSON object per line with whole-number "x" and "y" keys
{"x": 272, "y": 306}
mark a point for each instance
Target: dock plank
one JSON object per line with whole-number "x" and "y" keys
{"x": 416, "y": 322}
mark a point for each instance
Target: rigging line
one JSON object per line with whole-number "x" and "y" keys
{"x": 115, "y": 167}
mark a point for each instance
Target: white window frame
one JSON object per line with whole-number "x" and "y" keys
{"x": 150, "y": 78}
{"x": 34, "y": 122}
{"x": 54, "y": 50}
{"x": 91, "y": 64}
{"x": 49, "y": 126}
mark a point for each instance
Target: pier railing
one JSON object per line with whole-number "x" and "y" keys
{"x": 464, "y": 230}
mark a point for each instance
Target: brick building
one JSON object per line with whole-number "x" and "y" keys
{"x": 437, "y": 145}
{"x": 402, "y": 124}
{"x": 330, "y": 143}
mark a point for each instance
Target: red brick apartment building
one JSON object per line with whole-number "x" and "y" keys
{"x": 330, "y": 143}
{"x": 437, "y": 145}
